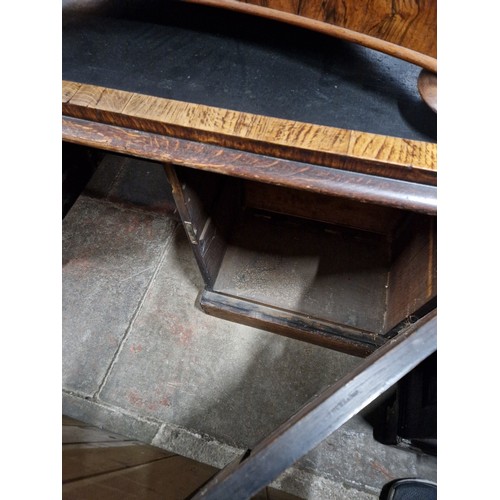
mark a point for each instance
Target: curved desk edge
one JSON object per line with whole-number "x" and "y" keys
{"x": 372, "y": 42}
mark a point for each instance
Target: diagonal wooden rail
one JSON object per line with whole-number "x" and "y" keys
{"x": 324, "y": 414}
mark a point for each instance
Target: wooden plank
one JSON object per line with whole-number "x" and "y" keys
{"x": 413, "y": 276}
{"x": 389, "y": 150}
{"x": 314, "y": 206}
{"x": 69, "y": 89}
{"x": 82, "y": 461}
{"x": 196, "y": 194}
{"x": 304, "y": 176}
{"x": 85, "y": 434}
{"x": 86, "y": 96}
{"x": 407, "y": 30}
{"x": 305, "y": 142}
{"x": 91, "y": 471}
{"x": 290, "y": 324}
{"x": 173, "y": 478}
{"x": 324, "y": 414}
{"x": 129, "y": 469}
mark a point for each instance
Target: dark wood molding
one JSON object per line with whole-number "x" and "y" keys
{"x": 290, "y": 324}
{"x": 292, "y": 174}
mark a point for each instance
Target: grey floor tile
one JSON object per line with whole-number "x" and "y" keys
{"x": 109, "y": 258}
{"x": 232, "y": 382}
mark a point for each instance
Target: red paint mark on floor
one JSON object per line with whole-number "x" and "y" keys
{"x": 165, "y": 401}
{"x": 185, "y": 335}
{"x": 135, "y": 348}
{"x": 380, "y": 468}
{"x": 136, "y": 400}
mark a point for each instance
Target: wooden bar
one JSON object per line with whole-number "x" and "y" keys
{"x": 319, "y": 207}
{"x": 304, "y": 176}
{"x": 290, "y": 324}
{"x": 206, "y": 232}
{"x": 324, "y": 414}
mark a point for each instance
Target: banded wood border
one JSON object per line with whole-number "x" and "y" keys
{"x": 373, "y": 154}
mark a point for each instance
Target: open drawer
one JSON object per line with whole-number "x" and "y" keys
{"x": 328, "y": 270}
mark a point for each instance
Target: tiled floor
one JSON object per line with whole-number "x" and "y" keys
{"x": 142, "y": 360}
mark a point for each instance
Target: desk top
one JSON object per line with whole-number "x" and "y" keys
{"x": 242, "y": 83}
{"x": 218, "y": 58}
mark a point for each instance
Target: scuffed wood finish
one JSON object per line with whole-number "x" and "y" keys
{"x": 291, "y": 324}
{"x": 195, "y": 207}
{"x": 305, "y": 142}
{"x": 304, "y": 176}
{"x": 69, "y": 89}
{"x": 406, "y": 29}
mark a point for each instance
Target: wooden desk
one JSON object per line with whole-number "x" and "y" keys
{"x": 303, "y": 168}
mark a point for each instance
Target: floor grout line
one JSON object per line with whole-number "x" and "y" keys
{"x": 168, "y": 245}
{"x": 122, "y": 412}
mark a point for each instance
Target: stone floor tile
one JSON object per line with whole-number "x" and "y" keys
{"x": 109, "y": 258}
{"x": 226, "y": 380}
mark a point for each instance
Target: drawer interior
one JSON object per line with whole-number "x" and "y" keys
{"x": 355, "y": 269}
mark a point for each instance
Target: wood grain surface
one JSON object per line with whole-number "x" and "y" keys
{"x": 326, "y": 146}
{"x": 414, "y": 255}
{"x": 406, "y": 29}
{"x": 365, "y": 188}
{"x": 330, "y": 209}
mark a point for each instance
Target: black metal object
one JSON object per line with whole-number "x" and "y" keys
{"x": 409, "y": 415}
{"x": 409, "y": 489}
{"x": 324, "y": 414}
